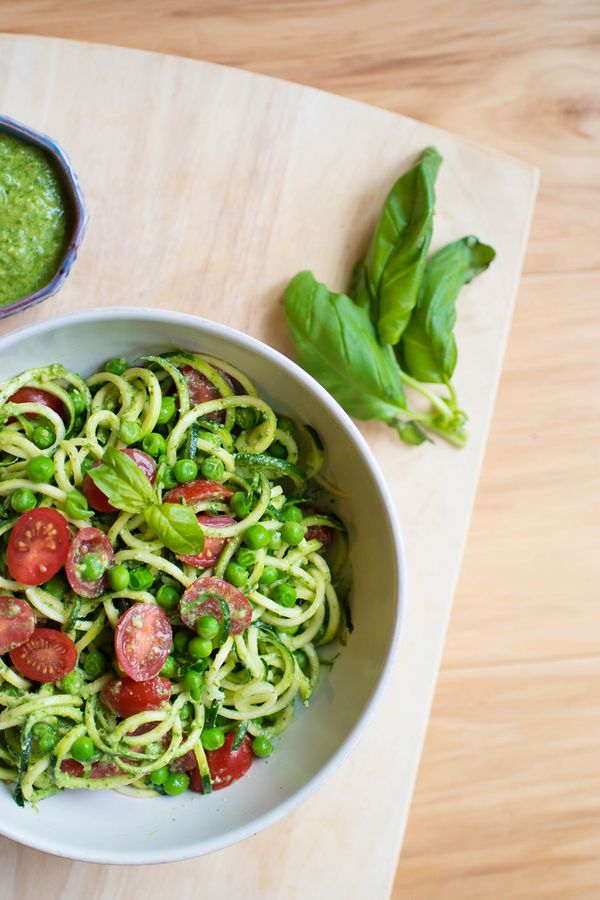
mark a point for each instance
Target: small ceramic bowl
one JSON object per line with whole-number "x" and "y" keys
{"x": 107, "y": 827}
{"x": 74, "y": 196}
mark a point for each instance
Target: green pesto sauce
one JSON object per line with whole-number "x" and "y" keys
{"x": 35, "y": 219}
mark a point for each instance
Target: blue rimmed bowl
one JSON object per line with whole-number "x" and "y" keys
{"x": 75, "y": 199}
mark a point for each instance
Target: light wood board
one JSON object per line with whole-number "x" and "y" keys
{"x": 208, "y": 189}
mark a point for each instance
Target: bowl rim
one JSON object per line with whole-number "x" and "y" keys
{"x": 202, "y": 847}
{"x": 30, "y": 135}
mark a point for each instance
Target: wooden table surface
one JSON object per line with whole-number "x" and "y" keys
{"x": 507, "y": 799}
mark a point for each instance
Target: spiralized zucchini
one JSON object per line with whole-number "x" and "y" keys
{"x": 252, "y": 679}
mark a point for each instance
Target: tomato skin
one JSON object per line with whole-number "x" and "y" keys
{"x": 197, "y": 491}
{"x": 185, "y": 763}
{"x": 48, "y": 655}
{"x": 143, "y": 639}
{"x": 192, "y": 607}
{"x": 127, "y": 697}
{"x": 37, "y": 395}
{"x": 37, "y": 546}
{"x": 227, "y": 765}
{"x": 88, "y": 540}
{"x": 99, "y": 769}
{"x": 17, "y": 623}
{"x": 213, "y": 546}
{"x": 319, "y": 533}
{"x": 97, "y": 499}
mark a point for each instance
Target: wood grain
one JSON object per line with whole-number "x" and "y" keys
{"x": 522, "y": 76}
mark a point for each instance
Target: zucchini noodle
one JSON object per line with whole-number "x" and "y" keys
{"x": 262, "y": 581}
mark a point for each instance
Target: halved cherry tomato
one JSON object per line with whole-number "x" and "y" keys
{"x": 319, "y": 533}
{"x": 185, "y": 763}
{"x": 47, "y": 655}
{"x": 200, "y": 388}
{"x": 37, "y": 395}
{"x": 127, "y": 697}
{"x": 225, "y": 765}
{"x": 99, "y": 769}
{"x": 143, "y": 641}
{"x": 89, "y": 541}
{"x": 197, "y": 491}
{"x": 17, "y": 623}
{"x": 37, "y": 546}
{"x": 212, "y": 545}
{"x": 97, "y": 499}
{"x": 203, "y": 598}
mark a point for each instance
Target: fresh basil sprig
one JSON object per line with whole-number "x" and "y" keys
{"x": 127, "y": 488}
{"x": 396, "y": 329}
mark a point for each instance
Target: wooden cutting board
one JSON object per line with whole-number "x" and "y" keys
{"x": 208, "y": 189}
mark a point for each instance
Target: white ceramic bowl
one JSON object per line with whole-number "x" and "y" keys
{"x": 107, "y": 827}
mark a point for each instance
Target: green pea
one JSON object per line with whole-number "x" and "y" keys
{"x": 92, "y": 567}
{"x": 285, "y": 424}
{"x": 176, "y": 783}
{"x": 208, "y": 627}
{"x": 42, "y": 437}
{"x": 212, "y": 738}
{"x": 118, "y": 578}
{"x": 193, "y": 681}
{"x": 275, "y": 541}
{"x": 185, "y": 470}
{"x": 200, "y": 648}
{"x": 269, "y": 575}
{"x": 141, "y": 579}
{"x": 83, "y": 749}
{"x": 292, "y": 533}
{"x": 168, "y": 596}
{"x": 246, "y": 557}
{"x": 39, "y": 469}
{"x": 76, "y": 505}
{"x": 262, "y": 746}
{"x": 212, "y": 469}
{"x": 77, "y": 401}
{"x": 167, "y": 410}
{"x": 236, "y": 574}
{"x": 45, "y": 738}
{"x": 159, "y": 776}
{"x": 181, "y": 639}
{"x": 56, "y": 586}
{"x": 168, "y": 478}
{"x": 277, "y": 450}
{"x": 116, "y": 366}
{"x": 154, "y": 444}
{"x": 95, "y": 663}
{"x": 187, "y": 711}
{"x": 288, "y": 629}
{"x": 130, "y": 432}
{"x": 22, "y": 500}
{"x": 169, "y": 669}
{"x": 72, "y": 683}
{"x": 241, "y": 504}
{"x": 285, "y": 594}
{"x": 246, "y": 417}
{"x": 257, "y": 536}
{"x": 291, "y": 513}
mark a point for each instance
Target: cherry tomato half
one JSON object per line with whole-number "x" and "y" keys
{"x": 99, "y": 769}
{"x": 97, "y": 499}
{"x": 89, "y": 541}
{"x": 37, "y": 395}
{"x": 319, "y": 533}
{"x": 127, "y": 697}
{"x": 17, "y": 623}
{"x": 225, "y": 765}
{"x": 185, "y": 763}
{"x": 37, "y": 546}
{"x": 203, "y": 598}
{"x": 212, "y": 545}
{"x": 47, "y": 655}
{"x": 197, "y": 491}
{"x": 143, "y": 639}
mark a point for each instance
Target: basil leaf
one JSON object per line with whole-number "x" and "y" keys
{"x": 336, "y": 343}
{"x": 428, "y": 348}
{"x": 176, "y": 526}
{"x": 124, "y": 484}
{"x": 395, "y": 261}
